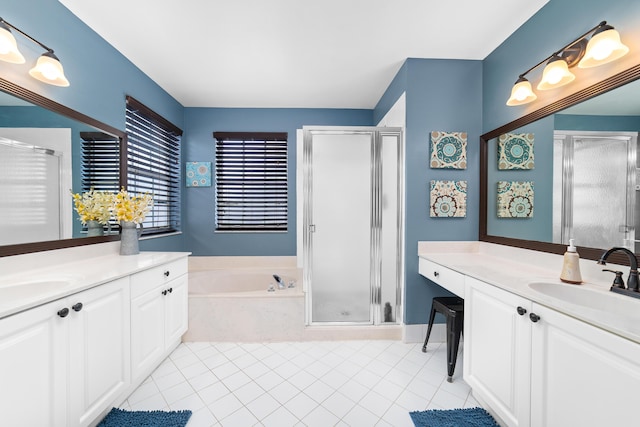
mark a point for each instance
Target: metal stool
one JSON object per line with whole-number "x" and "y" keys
{"x": 453, "y": 309}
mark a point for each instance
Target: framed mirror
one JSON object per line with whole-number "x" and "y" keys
{"x": 40, "y": 143}
{"x": 582, "y": 178}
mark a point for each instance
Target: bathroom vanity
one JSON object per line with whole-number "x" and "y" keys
{"x": 77, "y": 337}
{"x": 538, "y": 352}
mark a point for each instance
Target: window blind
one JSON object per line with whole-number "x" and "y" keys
{"x": 100, "y": 161}
{"x": 153, "y": 165}
{"x": 251, "y": 181}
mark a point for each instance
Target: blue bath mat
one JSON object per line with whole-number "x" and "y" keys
{"x": 121, "y": 418}
{"x": 471, "y": 417}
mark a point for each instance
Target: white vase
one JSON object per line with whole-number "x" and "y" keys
{"x": 129, "y": 235}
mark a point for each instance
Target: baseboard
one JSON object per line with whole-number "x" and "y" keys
{"x": 417, "y": 333}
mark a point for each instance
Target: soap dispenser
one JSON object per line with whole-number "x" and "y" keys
{"x": 571, "y": 266}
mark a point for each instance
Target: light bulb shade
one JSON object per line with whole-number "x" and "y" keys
{"x": 555, "y": 74}
{"x": 521, "y": 93}
{"x": 8, "y": 47}
{"x": 49, "y": 70}
{"x": 605, "y": 46}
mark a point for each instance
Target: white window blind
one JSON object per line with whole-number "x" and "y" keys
{"x": 251, "y": 181}
{"x": 153, "y": 165}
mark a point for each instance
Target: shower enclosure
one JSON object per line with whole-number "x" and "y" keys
{"x": 352, "y": 224}
{"x": 594, "y": 191}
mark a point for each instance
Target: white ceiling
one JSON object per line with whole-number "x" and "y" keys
{"x": 294, "y": 53}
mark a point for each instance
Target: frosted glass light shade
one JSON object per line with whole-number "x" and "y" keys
{"x": 555, "y": 74}
{"x": 49, "y": 70}
{"x": 603, "y": 47}
{"x": 8, "y": 47}
{"x": 521, "y": 93}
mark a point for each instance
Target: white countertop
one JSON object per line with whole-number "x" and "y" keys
{"x": 513, "y": 269}
{"x": 23, "y": 286}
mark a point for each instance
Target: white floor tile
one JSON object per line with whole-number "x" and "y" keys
{"x": 284, "y": 392}
{"x": 359, "y": 416}
{"x": 177, "y": 392}
{"x": 301, "y": 405}
{"x": 280, "y": 418}
{"x": 338, "y": 404}
{"x": 202, "y": 418}
{"x": 248, "y": 392}
{"x": 320, "y": 417}
{"x": 263, "y": 406}
{"x": 225, "y": 406}
{"x": 375, "y": 403}
{"x": 304, "y": 384}
{"x": 319, "y": 391}
{"x": 241, "y": 417}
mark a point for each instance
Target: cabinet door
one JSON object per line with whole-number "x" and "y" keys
{"x": 497, "y": 344}
{"x": 99, "y": 362}
{"x": 176, "y": 303}
{"x": 582, "y": 375}
{"x": 147, "y": 331}
{"x": 33, "y": 368}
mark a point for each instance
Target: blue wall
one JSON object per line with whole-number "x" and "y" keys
{"x": 597, "y": 123}
{"x": 442, "y": 95}
{"x": 198, "y": 145}
{"x": 100, "y": 76}
{"x": 540, "y": 226}
{"x": 559, "y": 22}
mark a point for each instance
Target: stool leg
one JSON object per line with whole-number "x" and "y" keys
{"x": 454, "y": 328}
{"x": 431, "y": 318}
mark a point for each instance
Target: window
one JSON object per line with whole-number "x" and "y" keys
{"x": 100, "y": 161}
{"x": 251, "y": 181}
{"x": 153, "y": 165}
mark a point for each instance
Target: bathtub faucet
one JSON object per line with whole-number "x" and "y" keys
{"x": 280, "y": 282}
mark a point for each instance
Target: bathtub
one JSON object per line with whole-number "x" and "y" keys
{"x": 233, "y": 304}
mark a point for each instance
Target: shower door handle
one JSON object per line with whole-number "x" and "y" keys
{"x": 312, "y": 228}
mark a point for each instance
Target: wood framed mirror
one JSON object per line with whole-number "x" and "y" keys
{"x": 488, "y": 165}
{"x": 26, "y": 100}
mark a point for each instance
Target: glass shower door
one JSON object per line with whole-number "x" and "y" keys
{"x": 341, "y": 228}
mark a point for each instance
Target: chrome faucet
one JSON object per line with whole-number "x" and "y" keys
{"x": 279, "y": 281}
{"x": 632, "y": 281}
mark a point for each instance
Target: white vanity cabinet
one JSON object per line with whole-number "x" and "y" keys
{"x": 497, "y": 350}
{"x": 581, "y": 375}
{"x": 534, "y": 366}
{"x": 65, "y": 362}
{"x": 158, "y": 314}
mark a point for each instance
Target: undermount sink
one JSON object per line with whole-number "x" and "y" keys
{"x": 594, "y": 299}
{"x": 32, "y": 286}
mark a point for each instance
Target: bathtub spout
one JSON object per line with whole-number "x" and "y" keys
{"x": 280, "y": 282}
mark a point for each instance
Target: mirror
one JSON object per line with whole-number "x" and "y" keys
{"x": 574, "y": 193}
{"x": 44, "y": 139}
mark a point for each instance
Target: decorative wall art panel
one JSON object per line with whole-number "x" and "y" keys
{"x": 198, "y": 174}
{"x": 515, "y": 151}
{"x": 515, "y": 199}
{"x": 448, "y": 150}
{"x": 448, "y": 199}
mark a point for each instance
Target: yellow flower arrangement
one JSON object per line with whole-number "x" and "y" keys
{"x": 133, "y": 208}
{"x": 94, "y": 205}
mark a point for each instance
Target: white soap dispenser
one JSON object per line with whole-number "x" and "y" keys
{"x": 571, "y": 266}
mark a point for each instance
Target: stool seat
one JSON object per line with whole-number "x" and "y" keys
{"x": 453, "y": 310}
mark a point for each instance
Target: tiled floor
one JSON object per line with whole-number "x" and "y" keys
{"x": 332, "y": 383}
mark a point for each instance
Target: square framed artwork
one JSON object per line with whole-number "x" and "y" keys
{"x": 198, "y": 174}
{"x": 448, "y": 150}
{"x": 515, "y": 151}
{"x": 515, "y": 199}
{"x": 448, "y": 199}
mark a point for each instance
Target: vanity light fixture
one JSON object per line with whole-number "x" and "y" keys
{"x": 604, "y": 46}
{"x": 48, "y": 68}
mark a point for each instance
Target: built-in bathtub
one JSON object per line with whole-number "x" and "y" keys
{"x": 230, "y": 301}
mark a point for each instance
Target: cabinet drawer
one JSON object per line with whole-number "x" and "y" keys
{"x": 149, "y": 279}
{"x": 443, "y": 276}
